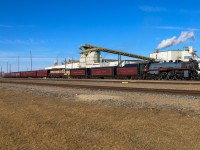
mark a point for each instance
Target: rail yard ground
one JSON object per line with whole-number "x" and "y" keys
{"x": 54, "y": 117}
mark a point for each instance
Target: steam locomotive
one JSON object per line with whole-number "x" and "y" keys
{"x": 172, "y": 70}
{"x": 177, "y": 70}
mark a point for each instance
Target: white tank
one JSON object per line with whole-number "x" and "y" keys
{"x": 82, "y": 61}
{"x": 90, "y": 59}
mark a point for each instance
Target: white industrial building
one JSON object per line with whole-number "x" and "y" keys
{"x": 184, "y": 55}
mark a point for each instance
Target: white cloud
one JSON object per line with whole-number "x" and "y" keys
{"x": 5, "y": 26}
{"x": 152, "y": 9}
{"x": 22, "y": 42}
{"x": 17, "y": 26}
{"x": 26, "y": 59}
{"x": 176, "y": 28}
{"x": 190, "y": 12}
{"x": 4, "y": 53}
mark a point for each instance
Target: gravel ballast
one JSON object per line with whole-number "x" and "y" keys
{"x": 109, "y": 97}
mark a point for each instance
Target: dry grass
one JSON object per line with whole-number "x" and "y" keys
{"x": 31, "y": 121}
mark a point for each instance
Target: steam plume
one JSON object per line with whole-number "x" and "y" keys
{"x": 174, "y": 41}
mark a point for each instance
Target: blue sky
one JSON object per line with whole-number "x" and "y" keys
{"x": 53, "y": 29}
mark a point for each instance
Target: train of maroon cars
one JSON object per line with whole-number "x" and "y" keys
{"x": 102, "y": 72}
{"x": 162, "y": 71}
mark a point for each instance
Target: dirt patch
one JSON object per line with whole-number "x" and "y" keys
{"x": 33, "y": 117}
{"x": 97, "y": 97}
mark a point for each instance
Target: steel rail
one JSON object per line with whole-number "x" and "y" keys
{"x": 114, "y": 88}
{"x": 114, "y": 81}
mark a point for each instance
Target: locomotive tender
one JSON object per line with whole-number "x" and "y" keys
{"x": 177, "y": 70}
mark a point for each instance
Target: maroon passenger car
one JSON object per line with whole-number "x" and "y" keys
{"x": 127, "y": 72}
{"x": 28, "y": 74}
{"x": 106, "y": 72}
{"x": 12, "y": 75}
{"x": 43, "y": 73}
{"x": 79, "y": 73}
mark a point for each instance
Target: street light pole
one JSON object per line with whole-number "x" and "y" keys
{"x": 72, "y": 62}
{"x": 31, "y": 59}
{"x": 18, "y": 63}
{"x": 65, "y": 64}
{"x": 1, "y": 72}
{"x": 7, "y": 67}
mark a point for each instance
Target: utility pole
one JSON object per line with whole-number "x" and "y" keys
{"x": 65, "y": 64}
{"x": 10, "y": 68}
{"x": 72, "y": 62}
{"x": 1, "y": 72}
{"x": 7, "y": 67}
{"x": 31, "y": 59}
{"x": 18, "y": 63}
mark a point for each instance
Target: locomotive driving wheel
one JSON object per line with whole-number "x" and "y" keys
{"x": 163, "y": 76}
{"x": 171, "y": 75}
{"x": 194, "y": 75}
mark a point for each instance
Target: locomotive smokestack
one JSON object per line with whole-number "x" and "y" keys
{"x": 184, "y": 36}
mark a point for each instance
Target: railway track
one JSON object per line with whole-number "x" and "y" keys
{"x": 137, "y": 81}
{"x": 106, "y": 87}
{"x": 178, "y": 82}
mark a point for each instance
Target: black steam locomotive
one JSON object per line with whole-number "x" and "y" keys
{"x": 172, "y": 70}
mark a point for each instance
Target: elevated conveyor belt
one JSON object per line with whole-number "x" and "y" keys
{"x": 89, "y": 48}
